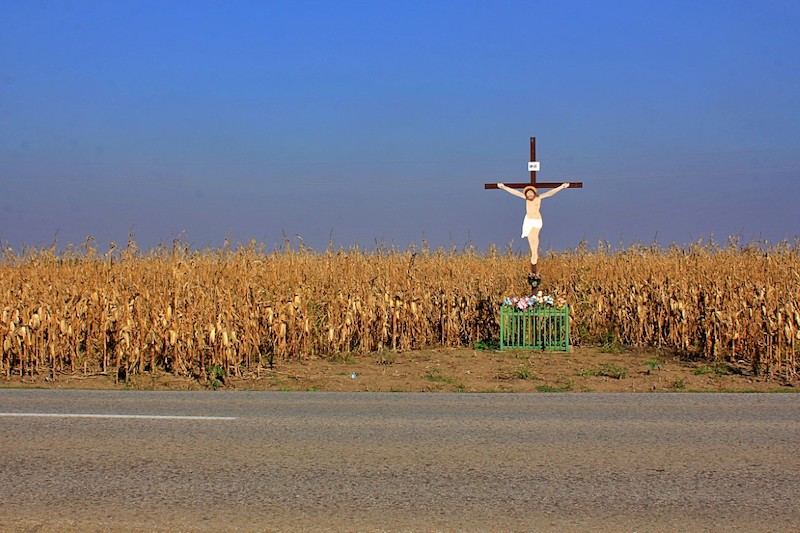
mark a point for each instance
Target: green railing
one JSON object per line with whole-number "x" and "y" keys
{"x": 536, "y": 328}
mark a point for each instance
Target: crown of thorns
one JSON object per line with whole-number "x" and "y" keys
{"x": 529, "y": 188}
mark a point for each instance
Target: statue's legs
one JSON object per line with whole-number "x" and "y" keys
{"x": 533, "y": 241}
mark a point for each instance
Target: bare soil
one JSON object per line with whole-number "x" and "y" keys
{"x": 460, "y": 370}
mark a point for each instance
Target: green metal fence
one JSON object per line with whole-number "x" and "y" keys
{"x": 536, "y": 328}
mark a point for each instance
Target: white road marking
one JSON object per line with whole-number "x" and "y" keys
{"x": 91, "y": 415}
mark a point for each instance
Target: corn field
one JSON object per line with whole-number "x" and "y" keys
{"x": 183, "y": 311}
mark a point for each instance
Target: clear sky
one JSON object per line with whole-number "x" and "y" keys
{"x": 377, "y": 121}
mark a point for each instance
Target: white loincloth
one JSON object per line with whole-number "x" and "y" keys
{"x": 529, "y": 223}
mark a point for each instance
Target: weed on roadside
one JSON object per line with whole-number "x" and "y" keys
{"x": 612, "y": 345}
{"x": 386, "y": 358}
{"x": 524, "y": 373}
{"x": 716, "y": 369}
{"x": 653, "y": 365}
{"x": 487, "y": 344}
{"x": 215, "y": 376}
{"x": 436, "y": 376}
{"x": 608, "y": 370}
{"x": 679, "y": 384}
{"x": 554, "y": 388}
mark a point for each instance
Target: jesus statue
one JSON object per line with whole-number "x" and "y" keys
{"x": 532, "y": 223}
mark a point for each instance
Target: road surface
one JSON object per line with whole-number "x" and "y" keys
{"x": 280, "y": 461}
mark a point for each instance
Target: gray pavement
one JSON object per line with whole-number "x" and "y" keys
{"x": 275, "y": 461}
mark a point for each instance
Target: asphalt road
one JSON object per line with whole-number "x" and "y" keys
{"x": 275, "y": 461}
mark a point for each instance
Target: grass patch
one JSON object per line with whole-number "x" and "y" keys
{"x": 554, "y": 388}
{"x": 716, "y": 369}
{"x": 608, "y": 370}
{"x": 386, "y": 358}
{"x": 487, "y": 344}
{"x": 612, "y": 345}
{"x": 654, "y": 364}
{"x": 436, "y": 376}
{"x": 524, "y": 373}
{"x": 344, "y": 358}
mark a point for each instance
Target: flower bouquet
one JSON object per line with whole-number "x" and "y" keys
{"x": 537, "y": 300}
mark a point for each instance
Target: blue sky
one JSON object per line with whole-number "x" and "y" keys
{"x": 373, "y": 121}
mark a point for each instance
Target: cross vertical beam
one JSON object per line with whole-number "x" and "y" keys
{"x": 537, "y": 184}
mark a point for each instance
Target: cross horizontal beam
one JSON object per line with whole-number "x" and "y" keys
{"x": 538, "y": 185}
{"x": 533, "y": 167}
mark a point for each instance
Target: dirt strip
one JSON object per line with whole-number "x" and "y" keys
{"x": 458, "y": 370}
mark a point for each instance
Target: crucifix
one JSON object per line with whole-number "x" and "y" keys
{"x": 532, "y": 222}
{"x": 533, "y": 167}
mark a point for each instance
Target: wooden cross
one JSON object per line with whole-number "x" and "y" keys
{"x": 533, "y": 167}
